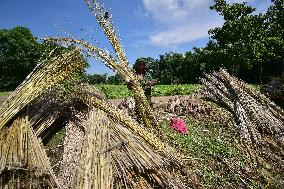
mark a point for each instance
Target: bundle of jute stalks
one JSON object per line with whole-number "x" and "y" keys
{"x": 255, "y": 113}
{"x": 103, "y": 147}
{"x": 259, "y": 122}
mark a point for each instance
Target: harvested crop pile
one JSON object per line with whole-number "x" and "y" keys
{"x": 103, "y": 147}
{"x": 191, "y": 106}
{"x": 260, "y": 123}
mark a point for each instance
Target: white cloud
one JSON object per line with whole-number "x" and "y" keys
{"x": 182, "y": 34}
{"x": 238, "y": 1}
{"x": 184, "y": 20}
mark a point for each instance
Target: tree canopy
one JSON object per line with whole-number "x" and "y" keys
{"x": 250, "y": 45}
{"x": 19, "y": 53}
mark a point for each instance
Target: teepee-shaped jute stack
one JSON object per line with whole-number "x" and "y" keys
{"x": 103, "y": 147}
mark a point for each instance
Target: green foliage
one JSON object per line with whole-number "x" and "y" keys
{"x": 4, "y": 93}
{"x": 203, "y": 136}
{"x": 207, "y": 143}
{"x": 275, "y": 23}
{"x": 19, "y": 53}
{"x": 249, "y": 45}
{"x": 104, "y": 79}
{"x": 173, "y": 68}
{"x": 114, "y": 79}
{"x": 98, "y": 78}
{"x": 170, "y": 90}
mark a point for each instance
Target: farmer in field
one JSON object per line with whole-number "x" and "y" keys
{"x": 145, "y": 79}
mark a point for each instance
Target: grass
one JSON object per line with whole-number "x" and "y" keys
{"x": 4, "y": 93}
{"x": 121, "y": 91}
{"x": 209, "y": 146}
{"x": 114, "y": 91}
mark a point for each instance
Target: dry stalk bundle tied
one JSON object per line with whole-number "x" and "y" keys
{"x": 105, "y": 143}
{"x": 39, "y": 111}
{"x": 95, "y": 159}
{"x": 47, "y": 74}
{"x": 104, "y": 19}
{"x": 142, "y": 152}
{"x": 23, "y": 161}
{"x": 259, "y": 121}
{"x": 85, "y": 94}
{"x": 73, "y": 144}
{"x": 253, "y": 111}
{"x": 135, "y": 163}
{"x": 145, "y": 111}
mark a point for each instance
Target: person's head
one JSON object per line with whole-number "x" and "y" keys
{"x": 140, "y": 67}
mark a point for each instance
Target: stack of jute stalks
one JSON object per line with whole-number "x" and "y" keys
{"x": 260, "y": 122}
{"x": 22, "y": 153}
{"x": 103, "y": 147}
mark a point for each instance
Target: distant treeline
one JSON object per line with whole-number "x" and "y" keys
{"x": 250, "y": 45}
{"x": 104, "y": 79}
{"x": 20, "y": 52}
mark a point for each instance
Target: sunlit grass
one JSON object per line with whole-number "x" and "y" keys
{"x": 206, "y": 144}
{"x": 121, "y": 91}
{"x": 4, "y": 93}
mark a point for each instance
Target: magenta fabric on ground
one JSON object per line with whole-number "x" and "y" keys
{"x": 179, "y": 125}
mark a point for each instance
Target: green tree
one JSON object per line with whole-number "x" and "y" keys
{"x": 98, "y": 78}
{"x": 19, "y": 53}
{"x": 114, "y": 79}
{"x": 236, "y": 38}
{"x": 174, "y": 67}
{"x": 275, "y": 27}
{"x": 191, "y": 69}
{"x": 248, "y": 44}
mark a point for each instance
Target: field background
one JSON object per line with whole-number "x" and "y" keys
{"x": 121, "y": 91}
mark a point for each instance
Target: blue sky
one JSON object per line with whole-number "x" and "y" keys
{"x": 146, "y": 27}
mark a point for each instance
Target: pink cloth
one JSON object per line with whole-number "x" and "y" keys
{"x": 179, "y": 125}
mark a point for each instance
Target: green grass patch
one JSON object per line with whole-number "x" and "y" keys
{"x": 4, "y": 93}
{"x": 208, "y": 144}
{"x": 170, "y": 90}
{"x": 121, "y": 91}
{"x": 202, "y": 137}
{"x": 114, "y": 91}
